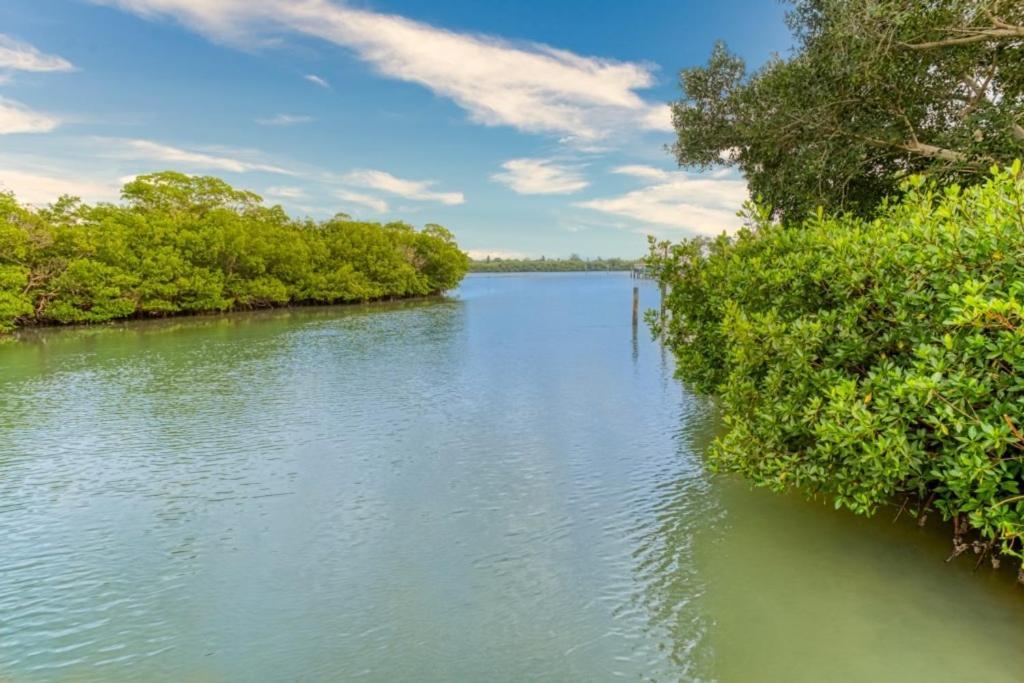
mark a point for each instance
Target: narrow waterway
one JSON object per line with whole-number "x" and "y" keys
{"x": 501, "y": 486}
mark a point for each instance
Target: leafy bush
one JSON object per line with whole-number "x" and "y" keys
{"x": 865, "y": 361}
{"x": 181, "y": 244}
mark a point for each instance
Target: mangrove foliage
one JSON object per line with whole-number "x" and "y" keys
{"x": 182, "y": 244}
{"x": 868, "y": 361}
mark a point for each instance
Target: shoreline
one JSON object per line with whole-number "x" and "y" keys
{"x": 139, "y": 320}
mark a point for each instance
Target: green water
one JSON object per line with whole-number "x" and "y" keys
{"x": 505, "y": 486}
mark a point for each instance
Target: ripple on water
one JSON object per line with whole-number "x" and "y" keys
{"x": 501, "y": 487}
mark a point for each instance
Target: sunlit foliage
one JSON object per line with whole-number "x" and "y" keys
{"x": 867, "y": 361}
{"x": 182, "y": 244}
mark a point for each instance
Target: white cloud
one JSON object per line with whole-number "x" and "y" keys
{"x": 284, "y": 192}
{"x": 373, "y": 203}
{"x": 658, "y": 117}
{"x": 42, "y": 187}
{"x": 680, "y": 201}
{"x": 531, "y": 87}
{"x": 316, "y": 80}
{"x": 641, "y": 171}
{"x": 17, "y": 118}
{"x": 539, "y": 176}
{"x": 154, "y": 151}
{"x": 19, "y": 56}
{"x": 410, "y": 189}
{"x": 284, "y": 120}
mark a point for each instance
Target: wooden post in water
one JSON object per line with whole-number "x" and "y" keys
{"x": 636, "y": 308}
{"x": 661, "y": 306}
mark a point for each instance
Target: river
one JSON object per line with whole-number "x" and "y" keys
{"x": 505, "y": 485}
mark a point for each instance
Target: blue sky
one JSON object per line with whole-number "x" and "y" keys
{"x": 527, "y": 128}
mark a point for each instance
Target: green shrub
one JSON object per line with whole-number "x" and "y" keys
{"x": 865, "y": 361}
{"x": 182, "y": 244}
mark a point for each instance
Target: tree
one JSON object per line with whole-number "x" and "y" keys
{"x": 865, "y": 361}
{"x": 874, "y": 91}
{"x": 181, "y": 244}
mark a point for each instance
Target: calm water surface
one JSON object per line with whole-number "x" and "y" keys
{"x": 504, "y": 486}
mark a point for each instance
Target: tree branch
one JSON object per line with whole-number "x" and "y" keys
{"x": 1000, "y": 31}
{"x": 932, "y": 151}
{"x": 1018, "y": 131}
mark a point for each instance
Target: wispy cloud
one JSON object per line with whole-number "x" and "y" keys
{"x": 641, "y": 171}
{"x": 373, "y": 203}
{"x": 38, "y": 187}
{"x": 410, "y": 189}
{"x": 284, "y": 120}
{"x": 17, "y": 118}
{"x": 317, "y": 80}
{"x": 680, "y": 201}
{"x": 18, "y": 56}
{"x": 155, "y": 151}
{"x": 532, "y": 87}
{"x": 283, "y": 192}
{"x": 539, "y": 176}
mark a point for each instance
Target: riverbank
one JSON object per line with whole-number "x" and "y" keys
{"x": 141, "y": 321}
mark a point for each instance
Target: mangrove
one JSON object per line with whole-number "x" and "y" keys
{"x": 181, "y": 244}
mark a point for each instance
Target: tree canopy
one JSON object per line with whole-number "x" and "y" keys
{"x": 874, "y": 91}
{"x": 181, "y": 244}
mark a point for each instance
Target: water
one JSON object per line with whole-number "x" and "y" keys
{"x": 504, "y": 486}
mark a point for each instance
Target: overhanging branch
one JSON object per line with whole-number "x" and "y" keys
{"x": 1000, "y": 31}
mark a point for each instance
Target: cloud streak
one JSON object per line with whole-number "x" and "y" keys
{"x": 317, "y": 80}
{"x": 39, "y": 188}
{"x": 676, "y": 200}
{"x": 18, "y": 56}
{"x": 531, "y": 87}
{"x": 285, "y": 192}
{"x": 154, "y": 151}
{"x": 373, "y": 203}
{"x": 419, "y": 190}
{"x": 17, "y": 118}
{"x": 284, "y": 120}
{"x": 539, "y": 176}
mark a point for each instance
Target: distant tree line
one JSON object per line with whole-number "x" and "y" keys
{"x": 543, "y": 265}
{"x": 182, "y": 244}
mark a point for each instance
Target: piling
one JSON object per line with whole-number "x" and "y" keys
{"x": 636, "y": 307}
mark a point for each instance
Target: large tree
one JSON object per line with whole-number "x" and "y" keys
{"x": 874, "y": 90}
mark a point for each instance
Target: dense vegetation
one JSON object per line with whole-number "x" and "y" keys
{"x": 868, "y": 361}
{"x": 182, "y": 244}
{"x": 874, "y": 91}
{"x": 573, "y": 263}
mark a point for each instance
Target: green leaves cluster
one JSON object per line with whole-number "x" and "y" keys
{"x": 183, "y": 244}
{"x": 874, "y": 91}
{"x": 866, "y": 360}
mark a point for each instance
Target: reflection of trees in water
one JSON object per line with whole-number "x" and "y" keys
{"x": 671, "y": 587}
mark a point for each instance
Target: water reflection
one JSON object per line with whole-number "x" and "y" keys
{"x": 670, "y": 585}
